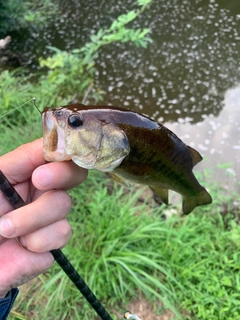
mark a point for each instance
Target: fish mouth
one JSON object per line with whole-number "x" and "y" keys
{"x": 54, "y": 147}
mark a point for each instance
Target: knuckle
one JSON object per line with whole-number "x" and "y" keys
{"x": 63, "y": 200}
{"x": 65, "y": 232}
{"x": 56, "y": 236}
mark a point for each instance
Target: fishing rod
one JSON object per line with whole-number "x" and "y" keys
{"x": 16, "y": 201}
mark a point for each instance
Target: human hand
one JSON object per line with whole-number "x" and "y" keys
{"x": 41, "y": 225}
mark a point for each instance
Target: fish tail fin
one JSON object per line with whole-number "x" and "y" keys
{"x": 200, "y": 199}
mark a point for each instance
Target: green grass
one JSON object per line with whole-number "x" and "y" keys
{"x": 124, "y": 250}
{"x": 121, "y": 248}
{"x": 13, "y": 135}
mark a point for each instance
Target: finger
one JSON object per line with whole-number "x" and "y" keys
{"x": 53, "y": 236}
{"x": 58, "y": 175}
{"x": 50, "y": 207}
{"x": 19, "y": 164}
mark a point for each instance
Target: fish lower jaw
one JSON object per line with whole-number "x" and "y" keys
{"x": 114, "y": 164}
{"x": 56, "y": 156}
{"x": 98, "y": 164}
{"x": 84, "y": 164}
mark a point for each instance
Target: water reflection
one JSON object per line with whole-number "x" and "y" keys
{"x": 217, "y": 139}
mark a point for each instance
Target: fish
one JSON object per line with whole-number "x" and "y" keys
{"x": 130, "y": 146}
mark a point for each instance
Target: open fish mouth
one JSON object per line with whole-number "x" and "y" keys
{"x": 54, "y": 147}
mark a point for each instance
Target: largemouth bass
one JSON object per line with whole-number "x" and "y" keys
{"x": 128, "y": 145}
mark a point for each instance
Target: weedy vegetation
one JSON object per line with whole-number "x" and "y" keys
{"x": 123, "y": 248}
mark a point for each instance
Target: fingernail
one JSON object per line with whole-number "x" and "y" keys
{"x": 44, "y": 176}
{"x": 6, "y": 227}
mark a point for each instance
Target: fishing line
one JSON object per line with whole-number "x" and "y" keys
{"x": 33, "y": 100}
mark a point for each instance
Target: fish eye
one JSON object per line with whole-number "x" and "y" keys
{"x": 75, "y": 121}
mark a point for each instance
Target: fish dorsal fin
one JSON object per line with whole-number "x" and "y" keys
{"x": 162, "y": 193}
{"x": 195, "y": 155}
{"x": 119, "y": 180}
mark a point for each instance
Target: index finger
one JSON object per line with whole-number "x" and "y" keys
{"x": 19, "y": 164}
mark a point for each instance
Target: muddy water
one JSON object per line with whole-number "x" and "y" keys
{"x": 188, "y": 77}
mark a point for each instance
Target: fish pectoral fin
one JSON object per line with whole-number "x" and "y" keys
{"x": 195, "y": 155}
{"x": 162, "y": 193}
{"x": 119, "y": 180}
